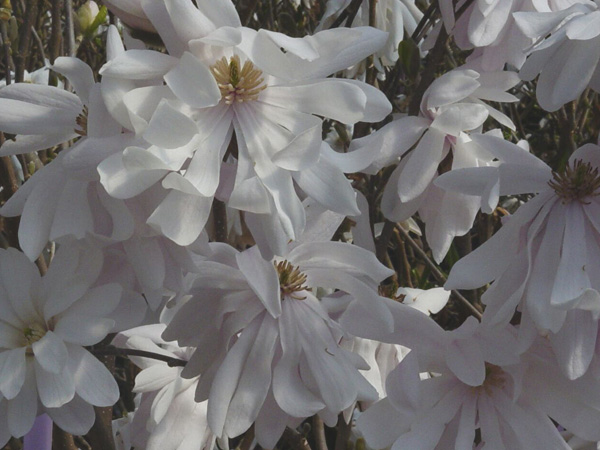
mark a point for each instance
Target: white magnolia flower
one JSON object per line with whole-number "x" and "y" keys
{"x": 451, "y": 108}
{"x": 46, "y": 322}
{"x": 221, "y": 78}
{"x": 567, "y": 53}
{"x": 544, "y": 259}
{"x": 477, "y": 382}
{"x": 65, "y": 197}
{"x": 269, "y": 351}
{"x": 168, "y": 417}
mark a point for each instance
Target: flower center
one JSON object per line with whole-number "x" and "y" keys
{"x": 235, "y": 84}
{"x": 290, "y": 280}
{"x": 576, "y": 182}
{"x": 33, "y": 333}
{"x": 82, "y": 122}
{"x": 495, "y": 378}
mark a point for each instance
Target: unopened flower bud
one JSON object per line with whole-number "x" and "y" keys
{"x": 5, "y": 10}
{"x": 86, "y": 17}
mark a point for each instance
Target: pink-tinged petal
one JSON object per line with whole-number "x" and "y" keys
{"x": 255, "y": 380}
{"x": 537, "y": 24}
{"x": 22, "y": 410}
{"x": 54, "y": 389}
{"x": 169, "y": 128}
{"x": 181, "y": 217}
{"x": 139, "y": 65}
{"x": 50, "y": 352}
{"x": 92, "y": 380}
{"x": 19, "y": 117}
{"x": 325, "y": 183}
{"x": 75, "y": 417}
{"x": 193, "y": 83}
{"x": 189, "y": 22}
{"x": 228, "y": 376}
{"x": 12, "y": 371}
{"x": 78, "y": 73}
{"x": 262, "y": 278}
{"x": 574, "y": 344}
{"x": 70, "y": 329}
{"x": 33, "y": 143}
{"x": 289, "y": 390}
{"x": 421, "y": 165}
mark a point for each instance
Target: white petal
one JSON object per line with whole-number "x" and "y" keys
{"x": 262, "y": 278}
{"x": 19, "y": 117}
{"x": 50, "y": 352}
{"x": 79, "y": 74}
{"x": 421, "y": 165}
{"x": 92, "y": 380}
{"x": 23, "y": 409}
{"x": 181, "y": 217}
{"x": 54, "y": 389}
{"x": 75, "y": 417}
{"x": 12, "y": 371}
{"x": 139, "y": 65}
{"x": 169, "y": 128}
{"x": 193, "y": 83}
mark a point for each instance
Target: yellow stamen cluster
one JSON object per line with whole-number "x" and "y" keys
{"x": 290, "y": 280}
{"x": 237, "y": 85}
{"x": 33, "y": 333}
{"x": 82, "y": 122}
{"x": 576, "y": 182}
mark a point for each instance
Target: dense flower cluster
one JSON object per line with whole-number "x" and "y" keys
{"x": 234, "y": 208}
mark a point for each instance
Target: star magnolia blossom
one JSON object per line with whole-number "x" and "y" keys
{"x": 167, "y": 417}
{"x": 451, "y": 107}
{"x": 266, "y": 87}
{"x": 573, "y": 47}
{"x": 544, "y": 259}
{"x": 269, "y": 351}
{"x": 46, "y": 322}
{"x": 63, "y": 198}
{"x": 477, "y": 382}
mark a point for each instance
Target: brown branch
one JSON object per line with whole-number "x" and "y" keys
{"x": 25, "y": 40}
{"x": 319, "y": 433}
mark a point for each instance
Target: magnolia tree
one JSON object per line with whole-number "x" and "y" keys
{"x": 316, "y": 224}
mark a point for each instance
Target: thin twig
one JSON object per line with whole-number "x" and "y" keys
{"x": 25, "y": 40}
{"x": 70, "y": 50}
{"x": 436, "y": 272}
{"x": 172, "y": 362}
{"x": 319, "y": 433}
